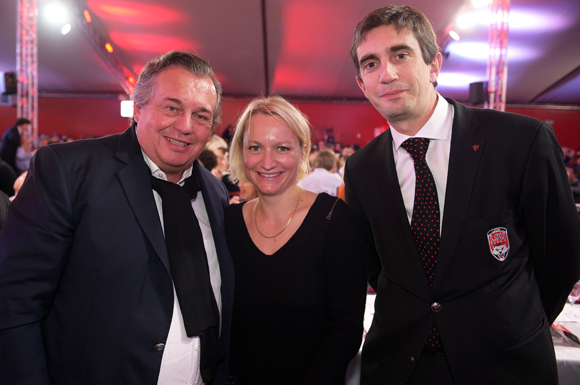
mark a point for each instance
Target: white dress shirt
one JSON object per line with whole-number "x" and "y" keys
{"x": 321, "y": 180}
{"x": 438, "y": 130}
{"x": 180, "y": 362}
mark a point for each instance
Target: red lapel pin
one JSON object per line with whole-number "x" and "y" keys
{"x": 475, "y": 147}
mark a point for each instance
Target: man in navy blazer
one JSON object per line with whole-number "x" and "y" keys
{"x": 508, "y": 230}
{"x": 86, "y": 291}
{"x": 11, "y": 142}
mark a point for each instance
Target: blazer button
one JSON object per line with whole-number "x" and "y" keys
{"x": 412, "y": 359}
{"x": 160, "y": 346}
{"x": 436, "y": 306}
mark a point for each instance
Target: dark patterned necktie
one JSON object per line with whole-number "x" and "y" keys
{"x": 189, "y": 268}
{"x": 426, "y": 217}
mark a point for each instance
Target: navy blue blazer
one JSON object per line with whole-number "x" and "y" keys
{"x": 505, "y": 171}
{"x": 85, "y": 286}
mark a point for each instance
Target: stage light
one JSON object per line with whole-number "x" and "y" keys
{"x": 87, "y": 16}
{"x": 469, "y": 20}
{"x": 109, "y": 48}
{"x": 454, "y": 35}
{"x": 518, "y": 20}
{"x": 65, "y": 29}
{"x": 56, "y": 12}
{"x": 456, "y": 79}
{"x": 479, "y": 51}
{"x": 127, "y": 108}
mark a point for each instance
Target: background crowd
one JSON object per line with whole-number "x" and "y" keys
{"x": 326, "y": 173}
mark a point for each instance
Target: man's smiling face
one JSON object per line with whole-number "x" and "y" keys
{"x": 174, "y": 126}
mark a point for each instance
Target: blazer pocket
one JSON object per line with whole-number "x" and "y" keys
{"x": 528, "y": 337}
{"x": 489, "y": 222}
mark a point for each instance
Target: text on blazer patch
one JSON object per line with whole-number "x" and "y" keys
{"x": 499, "y": 243}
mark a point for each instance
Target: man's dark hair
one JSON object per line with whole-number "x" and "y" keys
{"x": 186, "y": 60}
{"x": 21, "y": 121}
{"x": 208, "y": 159}
{"x": 403, "y": 18}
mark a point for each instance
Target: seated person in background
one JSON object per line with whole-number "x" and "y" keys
{"x": 221, "y": 171}
{"x": 43, "y": 140}
{"x": 23, "y": 154}
{"x": 215, "y": 142}
{"x": 324, "y": 177}
{"x": 300, "y": 283}
{"x": 221, "y": 154}
{"x": 343, "y": 160}
{"x": 312, "y": 157}
{"x": 232, "y": 188}
{"x": 574, "y": 182}
{"x": 247, "y": 193}
{"x": 208, "y": 159}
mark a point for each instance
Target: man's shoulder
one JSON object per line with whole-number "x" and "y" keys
{"x": 86, "y": 156}
{"x": 494, "y": 118}
{"x": 86, "y": 147}
{"x": 375, "y": 147}
{"x": 10, "y": 130}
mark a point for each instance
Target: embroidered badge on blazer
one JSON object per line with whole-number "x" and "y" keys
{"x": 499, "y": 244}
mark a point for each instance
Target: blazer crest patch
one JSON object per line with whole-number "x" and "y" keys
{"x": 499, "y": 244}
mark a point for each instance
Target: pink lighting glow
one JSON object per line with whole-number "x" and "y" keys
{"x": 152, "y": 42}
{"x": 135, "y": 13}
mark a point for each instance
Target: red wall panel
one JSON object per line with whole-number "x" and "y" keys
{"x": 566, "y": 122}
{"x": 350, "y": 122}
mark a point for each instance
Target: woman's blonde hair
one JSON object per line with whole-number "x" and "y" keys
{"x": 281, "y": 109}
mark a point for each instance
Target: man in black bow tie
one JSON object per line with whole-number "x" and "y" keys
{"x": 113, "y": 263}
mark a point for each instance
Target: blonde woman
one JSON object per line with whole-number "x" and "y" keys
{"x": 300, "y": 283}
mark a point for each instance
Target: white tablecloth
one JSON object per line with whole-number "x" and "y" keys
{"x": 567, "y": 354}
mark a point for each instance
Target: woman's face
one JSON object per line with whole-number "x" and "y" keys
{"x": 272, "y": 155}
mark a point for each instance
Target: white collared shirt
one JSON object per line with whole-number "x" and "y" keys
{"x": 321, "y": 180}
{"x": 438, "y": 130}
{"x": 180, "y": 362}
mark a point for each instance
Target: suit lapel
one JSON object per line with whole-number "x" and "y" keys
{"x": 214, "y": 206}
{"x": 463, "y": 162}
{"x": 211, "y": 200}
{"x": 134, "y": 178}
{"x": 396, "y": 216}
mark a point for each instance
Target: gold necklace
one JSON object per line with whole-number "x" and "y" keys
{"x": 285, "y": 227}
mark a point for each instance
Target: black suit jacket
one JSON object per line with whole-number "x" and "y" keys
{"x": 10, "y": 143}
{"x": 85, "y": 285}
{"x": 505, "y": 170}
{"x": 4, "y": 202}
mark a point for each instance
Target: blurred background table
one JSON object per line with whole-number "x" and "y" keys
{"x": 568, "y": 353}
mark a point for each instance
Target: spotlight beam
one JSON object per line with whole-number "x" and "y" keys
{"x": 100, "y": 40}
